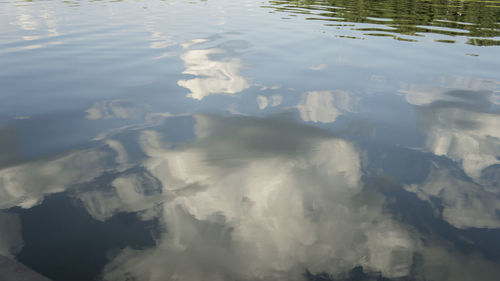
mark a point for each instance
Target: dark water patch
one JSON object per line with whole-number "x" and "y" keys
{"x": 63, "y": 242}
{"x": 355, "y": 274}
{"x": 9, "y": 146}
{"x": 426, "y": 217}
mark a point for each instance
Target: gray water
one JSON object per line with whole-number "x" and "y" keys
{"x": 251, "y": 140}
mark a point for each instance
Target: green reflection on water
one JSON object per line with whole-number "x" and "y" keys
{"x": 473, "y": 19}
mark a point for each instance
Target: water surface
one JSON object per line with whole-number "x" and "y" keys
{"x": 247, "y": 140}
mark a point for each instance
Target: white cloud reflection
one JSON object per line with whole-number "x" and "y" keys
{"x": 263, "y": 101}
{"x": 214, "y": 75}
{"x": 323, "y": 106}
{"x": 254, "y": 199}
{"x": 459, "y": 124}
{"x": 465, "y": 204}
{"x": 262, "y": 199}
{"x": 317, "y": 67}
{"x": 25, "y": 185}
{"x": 128, "y": 193}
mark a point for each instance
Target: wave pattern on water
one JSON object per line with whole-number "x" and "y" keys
{"x": 478, "y": 21}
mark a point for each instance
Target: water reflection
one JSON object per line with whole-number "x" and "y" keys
{"x": 404, "y": 20}
{"x": 10, "y": 234}
{"x": 79, "y": 245}
{"x": 26, "y": 184}
{"x": 324, "y": 106}
{"x": 272, "y": 101}
{"x": 464, "y": 204}
{"x": 116, "y": 109}
{"x": 463, "y": 126}
{"x": 460, "y": 124}
{"x": 257, "y": 199}
{"x": 33, "y": 28}
{"x": 229, "y": 187}
{"x": 216, "y": 74}
{"x": 9, "y": 147}
{"x": 334, "y": 162}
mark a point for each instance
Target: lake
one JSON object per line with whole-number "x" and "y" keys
{"x": 251, "y": 140}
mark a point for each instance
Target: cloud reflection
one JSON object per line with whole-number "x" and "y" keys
{"x": 465, "y": 204}
{"x": 214, "y": 73}
{"x": 323, "y": 106}
{"x": 115, "y": 109}
{"x": 255, "y": 199}
{"x": 262, "y": 199}
{"x": 26, "y": 184}
{"x": 463, "y": 126}
{"x": 460, "y": 125}
{"x": 263, "y": 101}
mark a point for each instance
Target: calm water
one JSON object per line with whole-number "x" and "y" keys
{"x": 251, "y": 140}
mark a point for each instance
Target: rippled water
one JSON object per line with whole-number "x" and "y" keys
{"x": 247, "y": 140}
{"x": 477, "y": 21}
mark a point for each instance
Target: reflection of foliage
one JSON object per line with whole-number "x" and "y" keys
{"x": 409, "y": 17}
{"x": 483, "y": 42}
